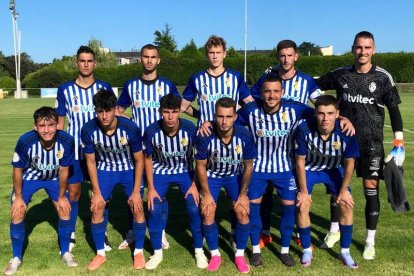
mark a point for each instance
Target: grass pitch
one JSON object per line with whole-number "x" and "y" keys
{"x": 394, "y": 242}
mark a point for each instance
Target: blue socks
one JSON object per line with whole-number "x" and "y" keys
{"x": 17, "y": 236}
{"x": 305, "y": 236}
{"x": 242, "y": 235}
{"x": 195, "y": 221}
{"x": 255, "y": 223}
{"x": 346, "y": 235}
{"x": 98, "y": 234}
{"x": 74, "y": 209}
{"x": 139, "y": 234}
{"x": 64, "y": 231}
{"x": 155, "y": 224}
{"x": 287, "y": 222}
{"x": 211, "y": 235}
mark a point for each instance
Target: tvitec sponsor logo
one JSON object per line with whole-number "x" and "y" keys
{"x": 214, "y": 98}
{"x": 272, "y": 133}
{"x": 143, "y": 104}
{"x": 83, "y": 108}
{"x": 357, "y": 99}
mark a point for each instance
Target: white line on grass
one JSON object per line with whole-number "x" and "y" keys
{"x": 407, "y": 130}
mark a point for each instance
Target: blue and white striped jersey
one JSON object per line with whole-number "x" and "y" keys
{"x": 272, "y": 133}
{"x": 224, "y": 160}
{"x": 144, "y": 98}
{"x": 39, "y": 163}
{"x": 300, "y": 88}
{"x": 171, "y": 154}
{"x": 76, "y": 103}
{"x": 114, "y": 152}
{"x": 324, "y": 154}
{"x": 208, "y": 89}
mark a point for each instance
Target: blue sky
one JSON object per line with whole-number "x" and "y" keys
{"x": 54, "y": 28}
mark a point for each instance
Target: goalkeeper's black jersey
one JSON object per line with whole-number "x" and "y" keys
{"x": 363, "y": 97}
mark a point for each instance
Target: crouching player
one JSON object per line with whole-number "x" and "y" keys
{"x": 113, "y": 153}
{"x": 219, "y": 161}
{"x": 169, "y": 157}
{"x": 41, "y": 160}
{"x": 325, "y": 155}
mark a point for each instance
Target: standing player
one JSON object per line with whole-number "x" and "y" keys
{"x": 169, "y": 158}
{"x": 113, "y": 153}
{"x": 219, "y": 161}
{"x": 298, "y": 87}
{"x": 143, "y": 94}
{"x": 271, "y": 121}
{"x": 363, "y": 91}
{"x": 214, "y": 83}
{"x": 74, "y": 100}
{"x": 41, "y": 160}
{"x": 325, "y": 155}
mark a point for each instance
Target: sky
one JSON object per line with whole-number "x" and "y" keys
{"x": 55, "y": 28}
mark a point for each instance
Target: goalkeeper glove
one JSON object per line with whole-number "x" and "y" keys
{"x": 397, "y": 152}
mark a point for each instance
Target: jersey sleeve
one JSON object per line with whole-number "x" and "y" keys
{"x": 60, "y": 103}
{"x": 352, "y": 149}
{"x": 391, "y": 97}
{"x": 300, "y": 141}
{"x": 201, "y": 150}
{"x": 88, "y": 146}
{"x": 307, "y": 112}
{"x": 149, "y": 147}
{"x": 243, "y": 114}
{"x": 327, "y": 81}
{"x": 20, "y": 158}
{"x": 249, "y": 151}
{"x": 136, "y": 139}
{"x": 174, "y": 90}
{"x": 244, "y": 90}
{"x": 190, "y": 91}
{"x": 313, "y": 89}
{"x": 69, "y": 153}
{"x": 124, "y": 99}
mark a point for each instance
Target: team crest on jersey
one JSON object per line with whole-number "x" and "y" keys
{"x": 184, "y": 142}
{"x": 159, "y": 89}
{"x": 228, "y": 81}
{"x": 372, "y": 87}
{"x": 285, "y": 117}
{"x": 137, "y": 103}
{"x": 204, "y": 97}
{"x": 260, "y": 132}
{"x": 123, "y": 141}
{"x": 296, "y": 85}
{"x": 59, "y": 154}
{"x": 336, "y": 145}
{"x": 16, "y": 157}
{"x": 238, "y": 149}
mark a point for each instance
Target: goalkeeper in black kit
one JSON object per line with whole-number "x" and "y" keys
{"x": 363, "y": 91}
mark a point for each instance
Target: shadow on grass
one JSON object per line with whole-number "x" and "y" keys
{"x": 42, "y": 212}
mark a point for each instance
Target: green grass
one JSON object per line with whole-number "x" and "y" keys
{"x": 395, "y": 239}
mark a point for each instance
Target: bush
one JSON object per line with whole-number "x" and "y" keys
{"x": 7, "y": 83}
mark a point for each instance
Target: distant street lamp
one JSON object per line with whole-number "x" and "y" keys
{"x": 17, "y": 40}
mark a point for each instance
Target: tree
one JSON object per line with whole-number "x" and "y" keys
{"x": 190, "y": 51}
{"x": 26, "y": 65}
{"x": 232, "y": 53}
{"x": 102, "y": 55}
{"x": 165, "y": 40}
{"x": 309, "y": 49}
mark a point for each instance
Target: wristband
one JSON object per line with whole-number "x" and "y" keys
{"x": 398, "y": 143}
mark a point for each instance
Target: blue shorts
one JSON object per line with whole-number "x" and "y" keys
{"x": 29, "y": 187}
{"x": 284, "y": 183}
{"x": 230, "y": 184}
{"x": 108, "y": 181}
{"x": 331, "y": 178}
{"x": 77, "y": 172}
{"x": 163, "y": 182}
